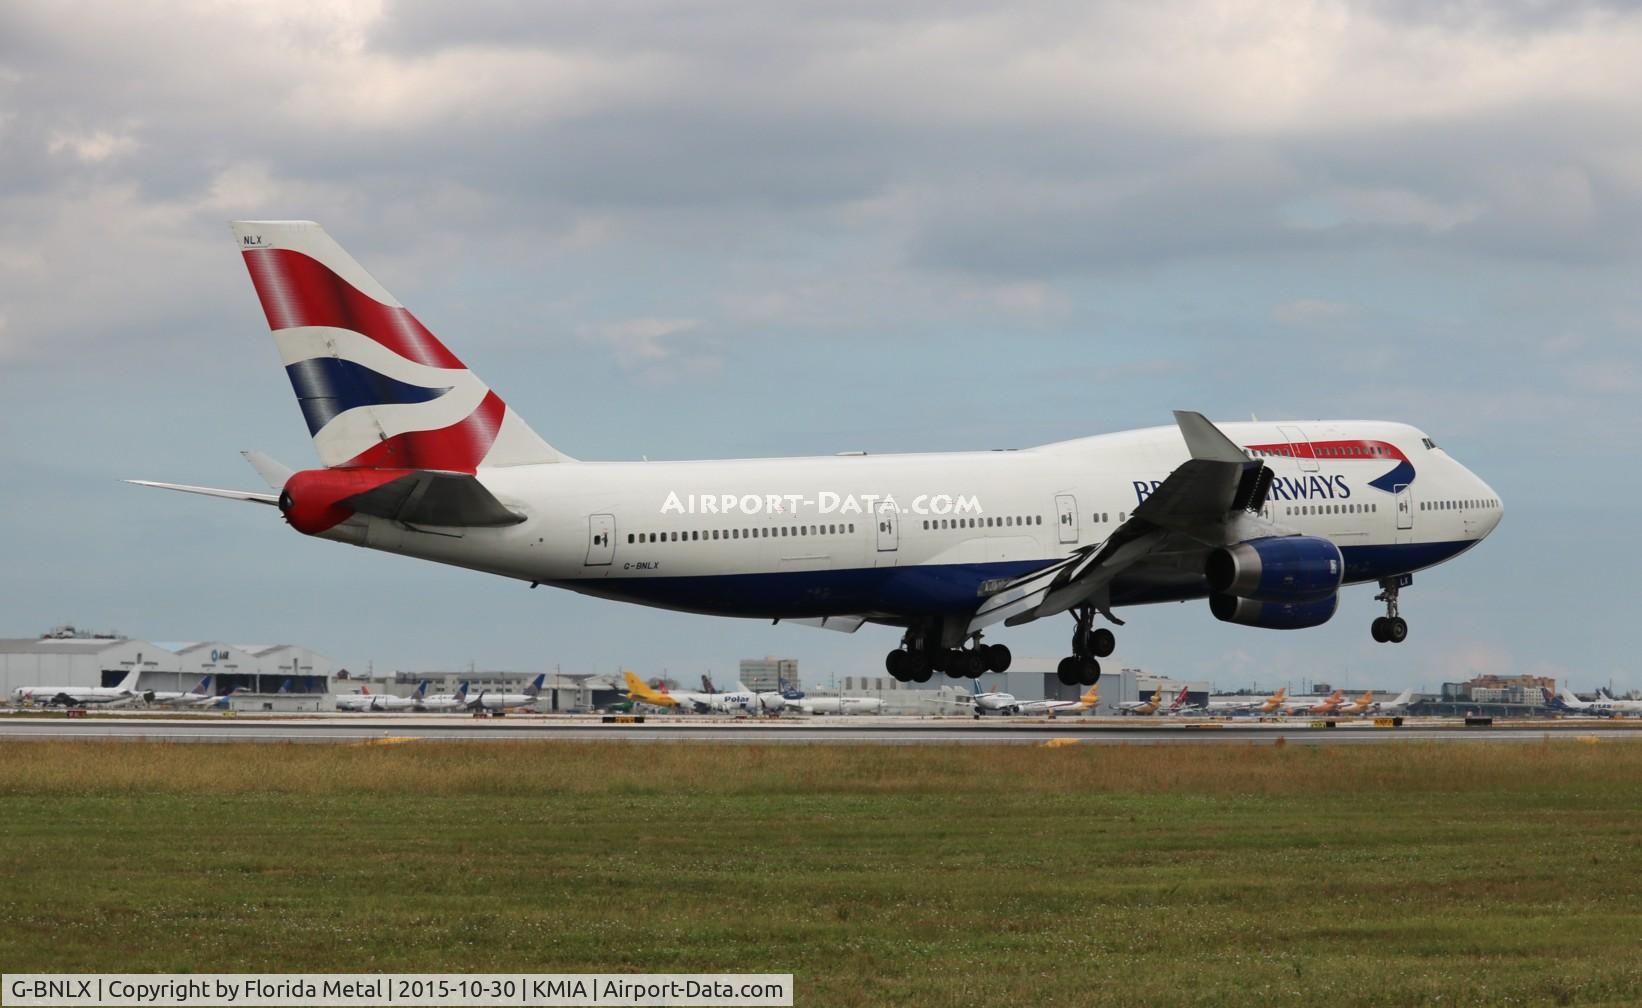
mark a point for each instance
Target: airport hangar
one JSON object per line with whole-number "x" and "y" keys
{"x": 106, "y": 660}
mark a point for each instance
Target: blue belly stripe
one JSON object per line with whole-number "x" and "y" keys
{"x": 934, "y": 589}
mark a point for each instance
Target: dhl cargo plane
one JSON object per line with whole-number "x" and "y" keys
{"x": 1266, "y": 522}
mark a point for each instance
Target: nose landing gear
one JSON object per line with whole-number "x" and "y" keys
{"x": 1390, "y": 628}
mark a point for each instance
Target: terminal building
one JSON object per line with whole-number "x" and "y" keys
{"x": 769, "y": 674}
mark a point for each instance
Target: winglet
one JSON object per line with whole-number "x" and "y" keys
{"x": 1206, "y": 441}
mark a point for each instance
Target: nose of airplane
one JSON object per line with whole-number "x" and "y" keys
{"x": 1494, "y": 509}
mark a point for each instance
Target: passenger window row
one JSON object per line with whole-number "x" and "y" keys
{"x": 1459, "y": 505}
{"x": 764, "y": 532}
{"x": 1004, "y": 521}
{"x": 1331, "y": 509}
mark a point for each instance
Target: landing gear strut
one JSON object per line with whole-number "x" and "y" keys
{"x": 1390, "y": 628}
{"x": 1089, "y": 643}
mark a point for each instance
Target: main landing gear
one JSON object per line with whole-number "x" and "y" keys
{"x": 1089, "y": 644}
{"x": 921, "y": 656}
{"x": 1390, "y": 628}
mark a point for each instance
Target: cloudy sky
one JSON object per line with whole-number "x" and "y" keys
{"x": 753, "y": 228}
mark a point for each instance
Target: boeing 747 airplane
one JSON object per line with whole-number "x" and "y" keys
{"x": 1265, "y": 522}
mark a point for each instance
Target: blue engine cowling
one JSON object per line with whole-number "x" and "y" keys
{"x": 1274, "y": 615}
{"x": 1282, "y": 569}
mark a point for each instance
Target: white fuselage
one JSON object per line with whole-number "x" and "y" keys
{"x": 838, "y": 705}
{"x": 810, "y": 537}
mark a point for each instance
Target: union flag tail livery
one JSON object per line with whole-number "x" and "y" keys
{"x": 377, "y": 389}
{"x": 1266, "y": 522}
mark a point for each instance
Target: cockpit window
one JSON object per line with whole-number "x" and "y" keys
{"x": 1428, "y": 442}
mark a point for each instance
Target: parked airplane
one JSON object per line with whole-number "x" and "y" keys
{"x": 1265, "y": 521}
{"x": 1360, "y": 706}
{"x": 449, "y": 701}
{"x": 360, "y": 701}
{"x": 365, "y": 700}
{"x": 1564, "y": 700}
{"x": 979, "y": 703}
{"x": 83, "y": 696}
{"x": 508, "y": 701}
{"x": 837, "y": 705}
{"x": 1143, "y": 707}
{"x": 1251, "y": 705}
{"x": 1328, "y": 705}
{"x": 200, "y": 694}
{"x": 1609, "y": 705}
{"x": 1178, "y": 705}
{"x": 739, "y": 701}
{"x": 1398, "y": 704}
{"x": 1089, "y": 701}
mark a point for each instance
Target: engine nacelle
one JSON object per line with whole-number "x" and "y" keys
{"x": 1280, "y": 569}
{"x": 1273, "y": 615}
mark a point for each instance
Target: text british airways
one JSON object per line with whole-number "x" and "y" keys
{"x": 1282, "y": 488}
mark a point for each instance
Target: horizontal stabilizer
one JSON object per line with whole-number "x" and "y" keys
{"x": 435, "y": 498}
{"x": 244, "y": 495}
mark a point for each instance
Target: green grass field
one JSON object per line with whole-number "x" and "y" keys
{"x": 1237, "y": 874}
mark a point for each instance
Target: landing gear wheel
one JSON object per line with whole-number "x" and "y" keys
{"x": 962, "y": 664}
{"x": 895, "y": 663}
{"x": 974, "y": 664}
{"x": 938, "y": 659}
{"x": 998, "y": 658}
{"x": 921, "y": 672}
{"x": 1102, "y": 643}
{"x": 1068, "y": 672}
{"x": 1391, "y": 628}
{"x": 1088, "y": 672}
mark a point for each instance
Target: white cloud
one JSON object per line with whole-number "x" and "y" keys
{"x": 92, "y": 147}
{"x": 661, "y": 350}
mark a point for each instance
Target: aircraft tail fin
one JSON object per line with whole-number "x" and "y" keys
{"x": 128, "y": 682}
{"x": 535, "y": 686}
{"x": 420, "y": 691}
{"x": 461, "y": 693}
{"x": 377, "y": 389}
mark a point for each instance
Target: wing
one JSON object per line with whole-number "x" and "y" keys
{"x": 1212, "y": 499}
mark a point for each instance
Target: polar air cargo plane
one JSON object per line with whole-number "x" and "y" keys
{"x": 1266, "y": 521}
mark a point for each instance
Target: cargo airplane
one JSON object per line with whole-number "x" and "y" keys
{"x": 1327, "y": 705}
{"x": 1253, "y": 705}
{"x": 1265, "y": 522}
{"x": 739, "y": 700}
{"x": 1143, "y": 707}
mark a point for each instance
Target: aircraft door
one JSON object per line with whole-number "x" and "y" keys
{"x": 1300, "y": 445}
{"x": 889, "y": 527}
{"x": 1405, "y": 507}
{"x": 1067, "y": 521}
{"x": 601, "y": 540}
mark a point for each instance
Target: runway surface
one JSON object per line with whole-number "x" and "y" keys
{"x": 838, "y": 730}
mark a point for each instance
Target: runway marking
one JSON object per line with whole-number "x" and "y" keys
{"x": 1056, "y": 743}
